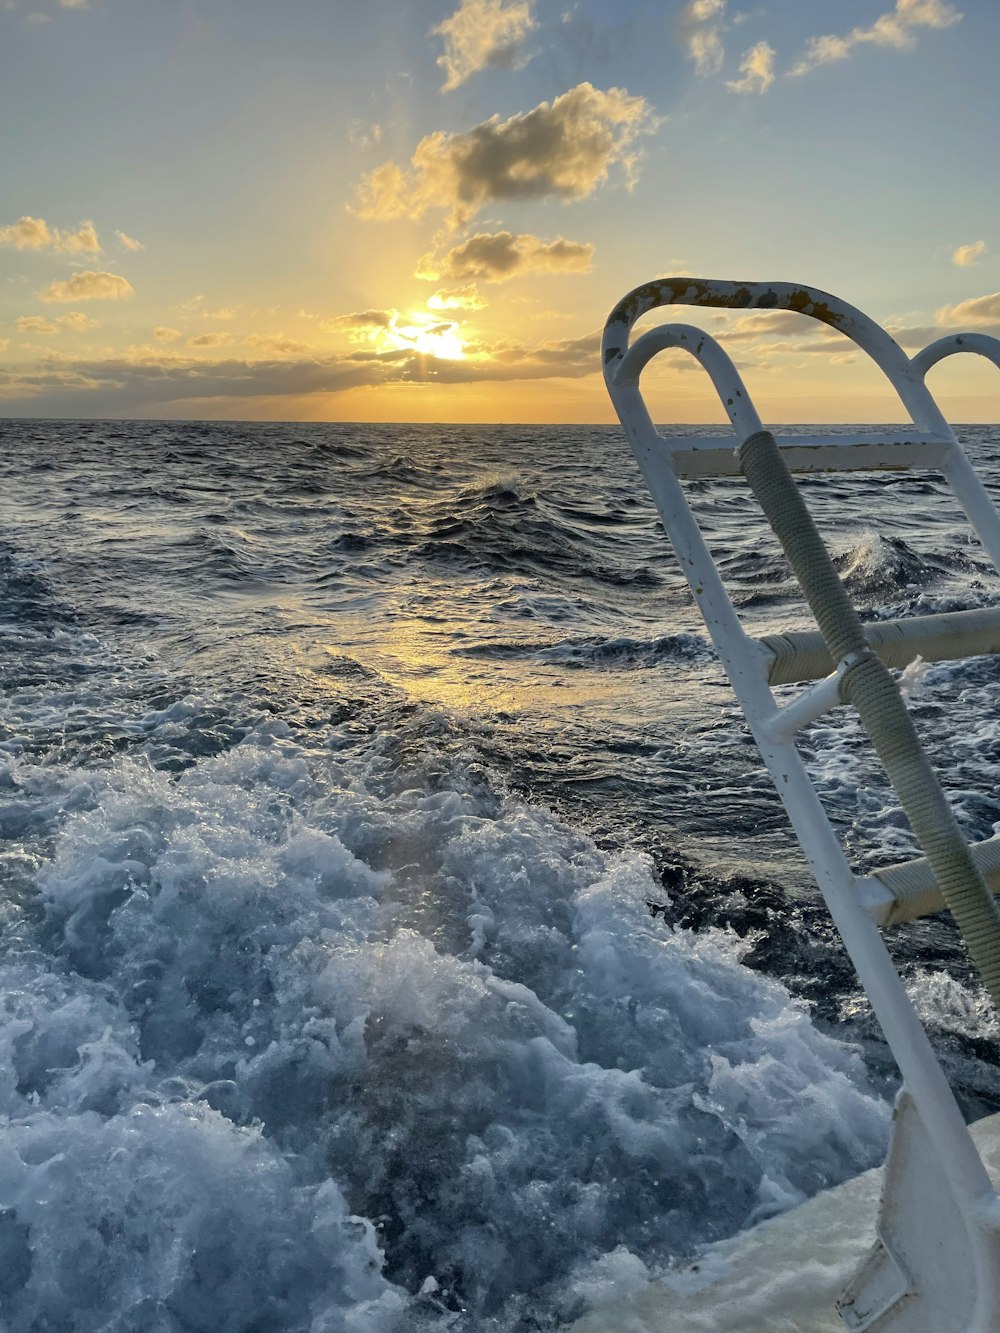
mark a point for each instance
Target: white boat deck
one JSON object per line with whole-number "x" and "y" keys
{"x": 783, "y": 1276}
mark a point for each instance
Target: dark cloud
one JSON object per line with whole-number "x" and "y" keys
{"x": 361, "y": 319}
{"x": 497, "y": 256}
{"x": 123, "y": 385}
{"x": 558, "y": 150}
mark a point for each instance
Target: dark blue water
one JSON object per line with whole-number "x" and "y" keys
{"x": 400, "y": 931}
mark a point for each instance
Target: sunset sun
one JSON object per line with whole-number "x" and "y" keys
{"x": 439, "y": 339}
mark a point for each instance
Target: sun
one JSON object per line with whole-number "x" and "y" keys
{"x": 438, "y": 338}
{"x": 441, "y": 340}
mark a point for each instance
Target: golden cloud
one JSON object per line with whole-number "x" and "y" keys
{"x": 141, "y": 378}
{"x": 166, "y": 335}
{"x": 560, "y": 150}
{"x": 766, "y": 324}
{"x": 27, "y": 234}
{"x": 967, "y": 255}
{"x": 210, "y": 340}
{"x": 75, "y": 321}
{"x": 276, "y": 343}
{"x": 480, "y": 34}
{"x": 37, "y": 324}
{"x": 30, "y": 233}
{"x": 82, "y": 241}
{"x": 497, "y": 256}
{"x": 89, "y": 286}
{"x": 362, "y": 323}
{"x": 893, "y": 29}
{"x": 701, "y": 31}
{"x": 129, "y": 242}
{"x": 976, "y": 311}
{"x": 914, "y": 336}
{"x": 756, "y": 70}
{"x": 457, "y": 298}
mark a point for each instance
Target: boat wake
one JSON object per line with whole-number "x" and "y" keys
{"x": 296, "y": 1033}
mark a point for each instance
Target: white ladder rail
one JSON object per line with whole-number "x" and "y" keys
{"x": 707, "y": 456}
{"x": 852, "y": 903}
{"x": 958, "y": 471}
{"x": 745, "y": 668}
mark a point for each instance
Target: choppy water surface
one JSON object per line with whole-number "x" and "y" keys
{"x": 399, "y": 930}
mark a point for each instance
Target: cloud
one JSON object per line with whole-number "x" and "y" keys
{"x": 37, "y": 324}
{"x": 276, "y": 343}
{"x": 82, "y": 241}
{"x": 483, "y": 34}
{"x": 756, "y": 69}
{"x": 37, "y": 15}
{"x": 4, "y": 344}
{"x": 497, "y": 256}
{"x": 123, "y": 383}
{"x": 361, "y": 321}
{"x": 74, "y": 321}
{"x": 222, "y": 313}
{"x": 980, "y": 313}
{"x": 563, "y": 358}
{"x": 914, "y": 336}
{"x": 975, "y": 312}
{"x": 894, "y": 29}
{"x": 129, "y": 242}
{"x": 765, "y": 324}
{"x": 30, "y": 233}
{"x": 701, "y": 32}
{"x": 967, "y": 255}
{"x": 210, "y": 340}
{"x": 367, "y": 136}
{"x": 130, "y": 382}
{"x": 457, "y": 298}
{"x": 77, "y": 321}
{"x": 559, "y": 150}
{"x": 166, "y": 335}
{"x": 27, "y": 234}
{"x": 89, "y": 286}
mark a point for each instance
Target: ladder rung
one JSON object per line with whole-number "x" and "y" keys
{"x": 915, "y": 891}
{"x": 802, "y": 654}
{"x": 715, "y": 456}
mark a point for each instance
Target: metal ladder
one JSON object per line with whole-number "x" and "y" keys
{"x": 935, "y": 1267}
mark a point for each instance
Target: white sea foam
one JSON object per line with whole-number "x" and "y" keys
{"x": 294, "y": 986}
{"x": 954, "y": 709}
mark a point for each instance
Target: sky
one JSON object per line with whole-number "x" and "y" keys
{"x": 322, "y": 210}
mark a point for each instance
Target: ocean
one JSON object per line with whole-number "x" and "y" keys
{"x": 400, "y": 930}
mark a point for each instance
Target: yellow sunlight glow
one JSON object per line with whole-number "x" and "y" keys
{"x": 438, "y": 339}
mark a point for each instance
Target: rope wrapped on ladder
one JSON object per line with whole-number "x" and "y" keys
{"x": 800, "y": 655}
{"x": 867, "y": 683}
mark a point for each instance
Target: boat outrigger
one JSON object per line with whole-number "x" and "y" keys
{"x": 935, "y": 1263}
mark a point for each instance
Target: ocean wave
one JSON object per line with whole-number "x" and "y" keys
{"x": 504, "y": 526}
{"x": 315, "y": 1016}
{"x": 877, "y": 564}
{"x": 620, "y": 653}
